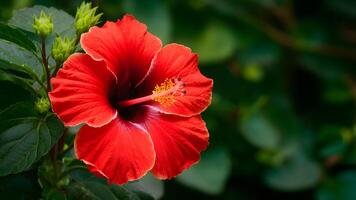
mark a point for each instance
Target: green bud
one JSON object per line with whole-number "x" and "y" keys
{"x": 42, "y": 105}
{"x": 62, "y": 49}
{"x": 86, "y": 18}
{"x": 43, "y": 24}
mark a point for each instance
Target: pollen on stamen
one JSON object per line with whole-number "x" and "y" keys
{"x": 166, "y": 92}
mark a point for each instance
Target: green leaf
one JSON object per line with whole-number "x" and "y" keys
{"x": 20, "y": 186}
{"x": 17, "y": 92}
{"x": 327, "y": 68}
{"x": 91, "y": 190}
{"x": 123, "y": 193}
{"x": 25, "y": 137}
{"x": 259, "y": 131}
{"x": 297, "y": 174}
{"x": 87, "y": 186}
{"x": 142, "y": 195}
{"x": 63, "y": 23}
{"x": 54, "y": 194}
{"x": 337, "y": 92}
{"x": 262, "y": 52}
{"x": 25, "y": 83}
{"x": 216, "y": 43}
{"x": 210, "y": 174}
{"x": 149, "y": 185}
{"x": 154, "y": 13}
{"x": 341, "y": 187}
{"x": 16, "y": 36}
{"x": 213, "y": 43}
{"x": 16, "y": 58}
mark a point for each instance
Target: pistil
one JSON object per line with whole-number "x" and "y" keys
{"x": 163, "y": 94}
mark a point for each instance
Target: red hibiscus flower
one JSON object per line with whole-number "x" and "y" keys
{"x": 140, "y": 103}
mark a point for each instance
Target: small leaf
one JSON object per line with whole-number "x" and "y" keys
{"x": 16, "y": 36}
{"x": 297, "y": 174}
{"x": 259, "y": 131}
{"x": 210, "y": 174}
{"x": 25, "y": 137}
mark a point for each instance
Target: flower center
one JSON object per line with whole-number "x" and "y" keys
{"x": 163, "y": 93}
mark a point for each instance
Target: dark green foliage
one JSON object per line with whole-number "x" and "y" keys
{"x": 25, "y": 137}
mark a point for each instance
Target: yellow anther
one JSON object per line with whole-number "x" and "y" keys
{"x": 164, "y": 93}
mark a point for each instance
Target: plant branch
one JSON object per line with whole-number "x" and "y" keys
{"x": 54, "y": 152}
{"x": 62, "y": 140}
{"x": 281, "y": 37}
{"x": 286, "y": 40}
{"x": 45, "y": 64}
{"x": 324, "y": 49}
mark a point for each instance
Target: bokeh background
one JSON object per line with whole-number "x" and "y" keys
{"x": 282, "y": 119}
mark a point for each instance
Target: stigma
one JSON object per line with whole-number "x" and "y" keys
{"x": 164, "y": 93}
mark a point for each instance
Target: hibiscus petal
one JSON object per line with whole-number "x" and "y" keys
{"x": 120, "y": 150}
{"x": 81, "y": 92}
{"x": 126, "y": 46}
{"x": 177, "y": 140}
{"x": 177, "y": 61}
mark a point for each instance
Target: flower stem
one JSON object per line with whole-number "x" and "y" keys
{"x": 72, "y": 168}
{"x": 45, "y": 64}
{"x": 62, "y": 140}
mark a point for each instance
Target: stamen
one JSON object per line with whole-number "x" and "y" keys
{"x": 163, "y": 93}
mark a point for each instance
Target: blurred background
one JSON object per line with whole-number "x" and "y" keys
{"x": 282, "y": 120}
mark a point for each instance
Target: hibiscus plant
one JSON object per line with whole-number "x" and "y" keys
{"x": 90, "y": 108}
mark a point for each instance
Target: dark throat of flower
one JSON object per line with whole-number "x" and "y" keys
{"x": 163, "y": 93}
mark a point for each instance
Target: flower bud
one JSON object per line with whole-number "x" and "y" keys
{"x": 86, "y": 18}
{"x": 62, "y": 49}
{"x": 42, "y": 105}
{"x": 43, "y": 24}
